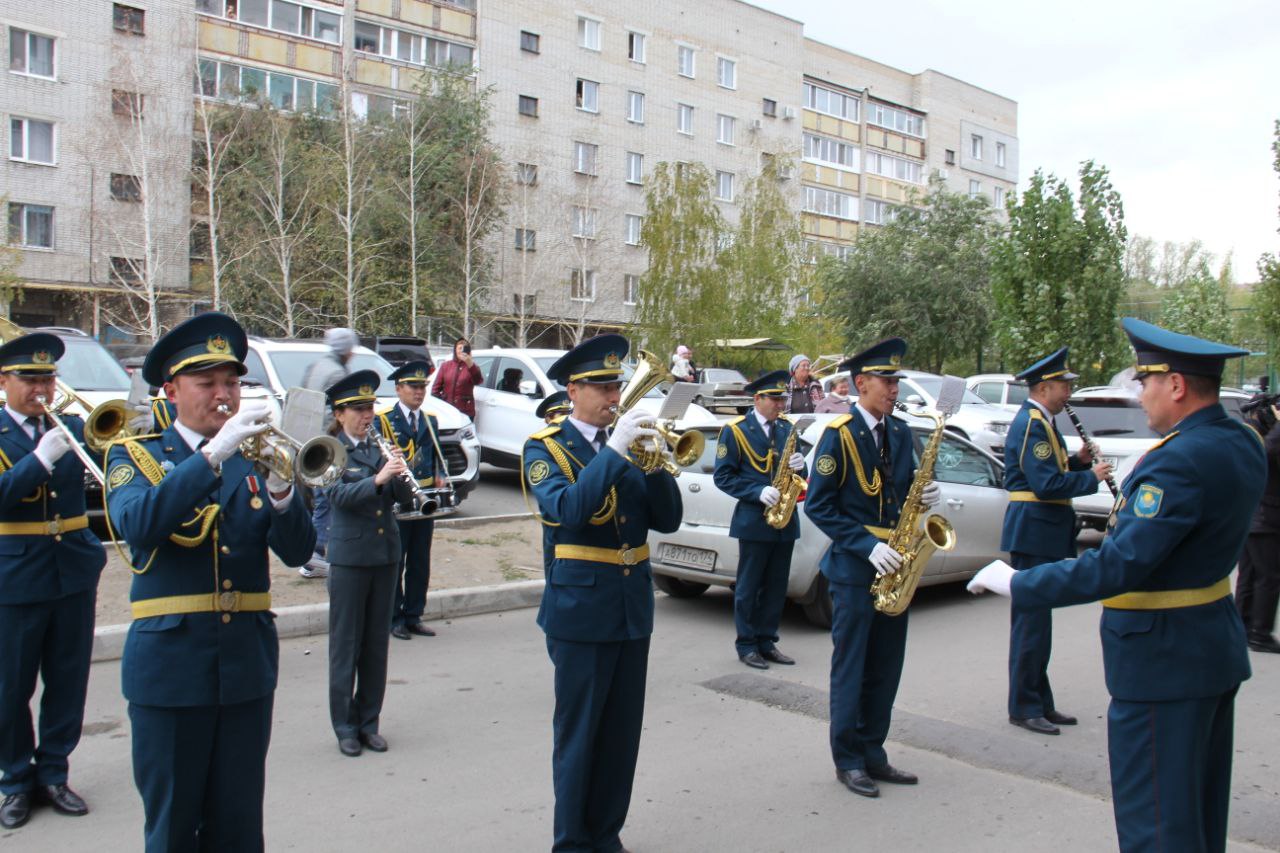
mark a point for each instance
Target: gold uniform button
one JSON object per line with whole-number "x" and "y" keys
{"x": 622, "y": 519}
{"x": 53, "y": 494}
{"x": 379, "y": 512}
{"x": 626, "y": 572}
{"x": 379, "y": 530}
{"x": 226, "y": 550}
{"x": 226, "y": 617}
{"x": 57, "y": 537}
{"x": 226, "y": 584}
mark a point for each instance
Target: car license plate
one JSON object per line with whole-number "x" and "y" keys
{"x": 1113, "y": 461}
{"x": 682, "y": 555}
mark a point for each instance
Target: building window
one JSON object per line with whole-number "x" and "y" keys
{"x": 226, "y": 81}
{"x": 31, "y": 226}
{"x": 411, "y": 47}
{"x": 127, "y": 270}
{"x": 127, "y": 104}
{"x": 635, "y": 168}
{"x": 950, "y": 157}
{"x": 582, "y": 285}
{"x": 726, "y": 128}
{"x": 635, "y": 47}
{"x": 584, "y": 158}
{"x": 727, "y": 73}
{"x": 279, "y": 15}
{"x": 526, "y": 239}
{"x": 684, "y": 119}
{"x": 975, "y": 188}
{"x": 525, "y": 303}
{"x": 528, "y": 106}
{"x": 831, "y": 152}
{"x": 588, "y": 33}
{"x": 31, "y": 141}
{"x": 770, "y": 107}
{"x": 831, "y": 102}
{"x": 894, "y": 167}
{"x": 997, "y": 197}
{"x": 30, "y": 53}
{"x": 127, "y": 19}
{"x": 895, "y": 119}
{"x": 584, "y": 222}
{"x": 830, "y": 203}
{"x": 126, "y": 187}
{"x": 1000, "y": 154}
{"x": 588, "y": 96}
{"x": 685, "y": 60}
{"x": 634, "y": 224}
{"x": 530, "y": 42}
{"x": 630, "y": 289}
{"x": 526, "y": 174}
{"x": 975, "y": 146}
{"x": 635, "y": 107}
{"x": 724, "y": 186}
{"x": 878, "y": 212}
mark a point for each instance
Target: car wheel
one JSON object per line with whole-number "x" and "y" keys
{"x": 677, "y": 588}
{"x": 818, "y": 611}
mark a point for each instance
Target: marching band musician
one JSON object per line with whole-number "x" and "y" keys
{"x": 862, "y": 473}
{"x": 364, "y": 557}
{"x": 554, "y": 407}
{"x": 416, "y": 433}
{"x": 747, "y": 459}
{"x": 49, "y": 567}
{"x": 597, "y": 606}
{"x": 1173, "y": 644}
{"x": 1040, "y": 527}
{"x": 201, "y": 658}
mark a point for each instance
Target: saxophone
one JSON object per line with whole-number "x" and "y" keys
{"x": 789, "y": 485}
{"x": 914, "y": 540}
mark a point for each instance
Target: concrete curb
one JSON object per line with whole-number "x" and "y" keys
{"x": 481, "y": 520}
{"x": 305, "y": 620}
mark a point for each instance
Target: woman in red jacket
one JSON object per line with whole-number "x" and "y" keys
{"x": 456, "y": 379}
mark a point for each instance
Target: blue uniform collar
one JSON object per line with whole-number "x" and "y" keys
{"x": 1211, "y": 412}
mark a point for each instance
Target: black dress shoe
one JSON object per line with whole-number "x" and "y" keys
{"x": 892, "y": 775}
{"x": 1060, "y": 719}
{"x": 373, "y": 740}
{"x": 420, "y": 629}
{"x": 775, "y": 656}
{"x": 1039, "y": 725}
{"x": 859, "y": 782}
{"x": 400, "y": 632}
{"x": 16, "y": 810}
{"x": 754, "y": 660}
{"x": 63, "y": 799}
{"x": 1264, "y": 643}
{"x": 349, "y": 746}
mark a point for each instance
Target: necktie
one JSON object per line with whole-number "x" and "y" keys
{"x": 36, "y": 427}
{"x": 599, "y": 440}
{"x": 882, "y": 439}
{"x": 768, "y": 432}
{"x": 413, "y": 423}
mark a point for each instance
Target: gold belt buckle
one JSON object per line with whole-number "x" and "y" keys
{"x": 55, "y": 526}
{"x": 628, "y": 556}
{"x": 229, "y": 602}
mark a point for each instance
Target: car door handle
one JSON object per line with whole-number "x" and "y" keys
{"x": 694, "y": 487}
{"x": 954, "y": 503}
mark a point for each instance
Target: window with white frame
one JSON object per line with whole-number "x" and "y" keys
{"x": 526, "y": 240}
{"x": 815, "y": 249}
{"x": 686, "y": 58}
{"x": 997, "y": 197}
{"x": 636, "y": 47}
{"x": 526, "y": 174}
{"x": 724, "y": 186}
{"x": 726, "y": 128}
{"x": 584, "y": 158}
{"x": 31, "y": 225}
{"x": 227, "y": 81}
{"x": 895, "y": 119}
{"x": 1000, "y": 154}
{"x": 830, "y": 203}
{"x": 31, "y": 53}
{"x": 630, "y": 289}
{"x": 588, "y": 33}
{"x": 410, "y": 47}
{"x": 281, "y": 15}
{"x": 726, "y": 73}
{"x": 878, "y": 212}
{"x": 32, "y": 141}
{"x": 975, "y": 188}
{"x": 635, "y": 168}
{"x": 582, "y": 285}
{"x": 975, "y": 146}
{"x": 584, "y": 222}
{"x": 635, "y": 107}
{"x": 634, "y": 223}
{"x": 823, "y": 100}
{"x": 898, "y": 168}
{"x": 684, "y": 119}
{"x": 831, "y": 152}
{"x": 587, "y": 97}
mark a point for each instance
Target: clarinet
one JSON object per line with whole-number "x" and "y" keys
{"x": 422, "y": 502}
{"x": 1093, "y": 447}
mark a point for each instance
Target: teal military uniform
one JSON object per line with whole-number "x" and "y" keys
{"x": 597, "y": 606}
{"x": 1173, "y": 645}
{"x": 200, "y": 661}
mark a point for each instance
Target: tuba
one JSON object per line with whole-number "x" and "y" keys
{"x": 685, "y": 447}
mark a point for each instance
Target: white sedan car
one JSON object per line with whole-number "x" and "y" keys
{"x": 701, "y": 553}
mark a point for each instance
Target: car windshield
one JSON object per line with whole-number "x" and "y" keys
{"x": 88, "y": 367}
{"x": 1017, "y": 394}
{"x": 931, "y": 385}
{"x": 291, "y": 366}
{"x": 544, "y": 363}
{"x": 722, "y": 374}
{"x": 1108, "y": 416}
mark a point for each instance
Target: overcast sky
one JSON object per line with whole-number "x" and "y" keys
{"x": 1178, "y": 99}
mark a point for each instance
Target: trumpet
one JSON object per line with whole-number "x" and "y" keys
{"x": 317, "y": 462}
{"x": 89, "y": 464}
{"x": 685, "y": 447}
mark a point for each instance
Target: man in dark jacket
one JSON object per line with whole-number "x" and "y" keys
{"x": 1258, "y": 585}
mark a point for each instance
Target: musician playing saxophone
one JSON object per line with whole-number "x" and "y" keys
{"x": 862, "y": 473}
{"x": 748, "y": 460}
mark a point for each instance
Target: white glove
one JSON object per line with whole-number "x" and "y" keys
{"x": 885, "y": 560}
{"x": 796, "y": 462}
{"x": 142, "y": 420}
{"x": 931, "y": 494}
{"x": 53, "y": 445}
{"x": 994, "y": 577}
{"x": 249, "y": 421}
{"x": 770, "y": 496}
{"x": 277, "y": 484}
{"x": 629, "y": 428}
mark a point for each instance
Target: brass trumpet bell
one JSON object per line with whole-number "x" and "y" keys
{"x": 107, "y": 422}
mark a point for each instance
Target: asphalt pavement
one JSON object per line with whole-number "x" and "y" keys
{"x": 731, "y": 760}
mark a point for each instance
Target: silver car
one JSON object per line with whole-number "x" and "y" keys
{"x": 701, "y": 553}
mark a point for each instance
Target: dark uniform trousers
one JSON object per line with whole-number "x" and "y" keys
{"x": 760, "y": 593}
{"x": 1030, "y": 644}
{"x": 1258, "y": 585}
{"x": 48, "y": 587}
{"x": 413, "y": 575}
{"x": 866, "y": 665}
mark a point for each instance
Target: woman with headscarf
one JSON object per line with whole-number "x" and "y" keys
{"x": 838, "y": 401}
{"x": 803, "y": 392}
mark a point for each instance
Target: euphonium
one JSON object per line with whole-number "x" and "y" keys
{"x": 317, "y": 462}
{"x": 685, "y": 447}
{"x": 916, "y": 535}
{"x": 789, "y": 485}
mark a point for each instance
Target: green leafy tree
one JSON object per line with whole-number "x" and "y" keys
{"x": 1058, "y": 274}
{"x": 1198, "y": 306}
{"x": 1265, "y": 305}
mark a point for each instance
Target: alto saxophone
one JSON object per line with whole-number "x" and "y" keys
{"x": 914, "y": 540}
{"x": 789, "y": 485}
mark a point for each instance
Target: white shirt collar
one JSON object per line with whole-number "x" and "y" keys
{"x": 1041, "y": 407}
{"x": 405, "y": 410}
{"x": 588, "y": 430}
{"x": 760, "y": 419}
{"x": 871, "y": 420}
{"x": 190, "y": 436}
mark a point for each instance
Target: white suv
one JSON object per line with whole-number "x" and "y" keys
{"x": 280, "y": 365}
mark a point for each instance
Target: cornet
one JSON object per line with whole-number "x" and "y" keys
{"x": 685, "y": 447}
{"x": 317, "y": 462}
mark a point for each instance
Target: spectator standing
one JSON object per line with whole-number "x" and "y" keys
{"x": 320, "y": 375}
{"x": 682, "y": 365}
{"x": 1258, "y": 584}
{"x": 803, "y": 392}
{"x": 456, "y": 379}
{"x": 838, "y": 401}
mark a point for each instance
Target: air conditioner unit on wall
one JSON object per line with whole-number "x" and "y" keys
{"x": 785, "y": 171}
{"x": 943, "y": 173}
{"x": 788, "y": 113}
{"x": 756, "y": 124}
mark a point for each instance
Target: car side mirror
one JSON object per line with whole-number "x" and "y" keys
{"x": 915, "y": 400}
{"x": 529, "y": 388}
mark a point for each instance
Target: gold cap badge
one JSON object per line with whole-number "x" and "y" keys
{"x": 218, "y": 344}
{"x": 612, "y": 360}
{"x": 41, "y": 357}
{"x": 366, "y": 390}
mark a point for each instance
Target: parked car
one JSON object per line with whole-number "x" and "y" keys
{"x": 280, "y": 365}
{"x": 720, "y": 390}
{"x": 999, "y": 389}
{"x": 399, "y": 349}
{"x": 701, "y": 553}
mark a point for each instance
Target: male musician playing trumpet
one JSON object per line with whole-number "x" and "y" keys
{"x": 748, "y": 459}
{"x": 597, "y": 607}
{"x": 49, "y": 567}
{"x": 200, "y": 662}
{"x": 1039, "y": 527}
